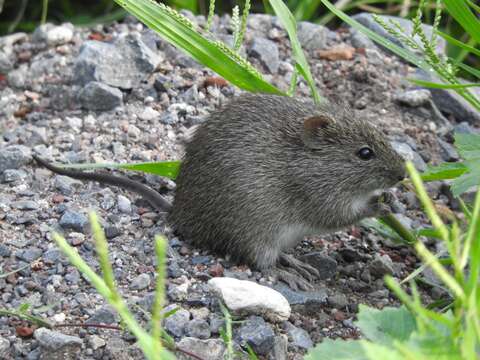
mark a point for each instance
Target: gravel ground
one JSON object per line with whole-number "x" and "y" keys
{"x": 118, "y": 93}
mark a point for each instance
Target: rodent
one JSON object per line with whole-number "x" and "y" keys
{"x": 265, "y": 170}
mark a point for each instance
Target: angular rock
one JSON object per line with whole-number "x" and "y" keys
{"x": 298, "y": 336}
{"x": 409, "y": 154}
{"x": 381, "y": 265}
{"x": 247, "y": 297}
{"x": 367, "y": 20}
{"x": 53, "y": 35}
{"x": 448, "y": 151}
{"x": 309, "y": 302}
{"x": 267, "y": 52}
{"x": 280, "y": 348}
{"x": 312, "y": 36}
{"x": 176, "y": 323}
{"x": 198, "y": 328}
{"x": 124, "y": 204}
{"x": 413, "y": 98}
{"x": 104, "y": 315}
{"x": 256, "y": 333}
{"x": 4, "y": 348}
{"x": 123, "y": 64}
{"x": 56, "y": 345}
{"x": 13, "y": 156}
{"x": 141, "y": 282}
{"x": 6, "y": 64}
{"x": 213, "y": 349}
{"x": 323, "y": 263}
{"x": 100, "y": 97}
{"x": 337, "y": 301}
{"x": 72, "y": 220}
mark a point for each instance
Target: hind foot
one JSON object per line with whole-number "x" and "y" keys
{"x": 289, "y": 276}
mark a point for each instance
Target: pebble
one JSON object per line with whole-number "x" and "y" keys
{"x": 124, "y": 204}
{"x": 413, "y": 98}
{"x": 104, "y": 315}
{"x": 53, "y": 342}
{"x": 96, "y": 342}
{"x": 298, "y": 336}
{"x": 280, "y": 348}
{"x": 53, "y": 35}
{"x": 4, "y": 348}
{"x": 308, "y": 302}
{"x": 13, "y": 157}
{"x": 11, "y": 175}
{"x": 247, "y": 297}
{"x": 72, "y": 220}
{"x": 100, "y": 97}
{"x": 337, "y": 301}
{"x": 66, "y": 185}
{"x": 178, "y": 292}
{"x": 198, "y": 328}
{"x": 409, "y": 154}
{"x": 123, "y": 64}
{"x": 267, "y": 52}
{"x": 256, "y": 333}
{"x": 6, "y": 63}
{"x": 213, "y": 349}
{"x": 25, "y": 205}
{"x": 29, "y": 255}
{"x": 312, "y": 36}
{"x": 323, "y": 263}
{"x": 381, "y": 265}
{"x": 448, "y": 151}
{"x": 141, "y": 282}
{"x": 176, "y": 323}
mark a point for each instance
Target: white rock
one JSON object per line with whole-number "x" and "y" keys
{"x": 149, "y": 114}
{"x": 246, "y": 297}
{"x": 54, "y": 35}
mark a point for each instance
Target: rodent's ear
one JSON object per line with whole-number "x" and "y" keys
{"x": 313, "y": 127}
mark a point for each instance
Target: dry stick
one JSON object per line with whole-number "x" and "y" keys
{"x": 114, "y": 327}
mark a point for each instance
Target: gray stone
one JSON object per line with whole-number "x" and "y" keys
{"x": 104, "y": 315}
{"x": 306, "y": 302}
{"x": 312, "y": 36}
{"x": 66, "y": 184}
{"x": 465, "y": 128}
{"x": 13, "y": 156}
{"x": 323, "y": 263}
{"x": 217, "y": 322}
{"x": 298, "y": 336}
{"x": 176, "y": 323}
{"x": 6, "y": 63}
{"x": 169, "y": 118}
{"x": 447, "y": 151}
{"x": 449, "y": 102}
{"x": 5, "y": 250}
{"x": 25, "y": 205}
{"x": 29, "y": 255}
{"x": 198, "y": 328}
{"x": 338, "y": 301}
{"x": 141, "y": 282}
{"x": 367, "y": 20}
{"x": 51, "y": 256}
{"x": 123, "y": 64}
{"x": 72, "y": 220}
{"x": 280, "y": 348}
{"x": 178, "y": 292}
{"x": 4, "y": 348}
{"x": 413, "y": 98}
{"x": 96, "y": 342}
{"x": 409, "y": 154}
{"x": 213, "y": 349}
{"x": 56, "y": 345}
{"x": 100, "y": 97}
{"x": 17, "y": 78}
{"x": 11, "y": 175}
{"x": 53, "y": 35}
{"x": 256, "y": 333}
{"x": 381, "y": 265}
{"x": 267, "y": 52}
{"x": 360, "y": 40}
{"x": 124, "y": 204}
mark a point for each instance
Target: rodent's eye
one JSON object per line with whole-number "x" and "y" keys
{"x": 365, "y": 153}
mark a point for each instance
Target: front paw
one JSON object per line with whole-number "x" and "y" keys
{"x": 382, "y": 204}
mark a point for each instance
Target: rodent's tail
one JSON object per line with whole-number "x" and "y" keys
{"x": 152, "y": 196}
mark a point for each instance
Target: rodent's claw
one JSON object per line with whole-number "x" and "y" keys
{"x": 290, "y": 277}
{"x": 305, "y": 270}
{"x": 382, "y": 204}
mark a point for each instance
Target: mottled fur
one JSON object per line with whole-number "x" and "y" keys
{"x": 249, "y": 186}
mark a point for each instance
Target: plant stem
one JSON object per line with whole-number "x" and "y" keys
{"x": 44, "y": 12}
{"x": 401, "y": 230}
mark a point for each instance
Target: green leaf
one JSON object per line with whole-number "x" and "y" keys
{"x": 377, "y": 351}
{"x": 288, "y": 21}
{"x": 382, "y": 229}
{"x": 337, "y": 350}
{"x": 459, "y": 43}
{"x": 471, "y": 70}
{"x": 180, "y": 32}
{"x": 468, "y": 145}
{"x": 460, "y": 11}
{"x": 168, "y": 169}
{"x": 444, "y": 171}
{"x": 387, "y": 325}
{"x": 24, "y": 307}
{"x": 442, "y": 86}
{"x": 468, "y": 180}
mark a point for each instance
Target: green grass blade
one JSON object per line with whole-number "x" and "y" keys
{"x": 469, "y": 69}
{"x": 461, "y": 12}
{"x": 444, "y": 171}
{"x": 459, "y": 43}
{"x": 398, "y": 50}
{"x": 442, "y": 86}
{"x": 473, "y": 6}
{"x": 306, "y": 9}
{"x": 215, "y": 55}
{"x": 301, "y": 63}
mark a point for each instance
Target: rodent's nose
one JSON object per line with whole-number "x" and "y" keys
{"x": 401, "y": 177}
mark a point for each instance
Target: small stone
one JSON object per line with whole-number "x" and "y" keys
{"x": 104, "y": 315}
{"x": 308, "y": 302}
{"x": 256, "y": 333}
{"x": 11, "y": 175}
{"x": 338, "y": 52}
{"x": 141, "y": 282}
{"x": 29, "y": 255}
{"x": 76, "y": 239}
{"x": 53, "y": 35}
{"x": 198, "y": 328}
{"x": 4, "y": 348}
{"x": 298, "y": 336}
{"x": 14, "y": 156}
{"x": 280, "y": 348}
{"x": 169, "y": 118}
{"x": 312, "y": 36}
{"x": 178, "y": 292}
{"x": 381, "y": 265}
{"x": 66, "y": 184}
{"x": 124, "y": 204}
{"x": 176, "y": 323}
{"x": 25, "y": 205}
{"x": 217, "y": 322}
{"x": 149, "y": 114}
{"x": 213, "y": 349}
{"x": 247, "y": 297}
{"x": 72, "y": 220}
{"x": 405, "y": 151}
{"x": 5, "y": 250}
{"x": 96, "y": 342}
{"x": 100, "y": 97}
{"x": 216, "y": 270}
{"x": 448, "y": 151}
{"x": 267, "y": 52}
{"x": 413, "y": 98}
{"x": 58, "y": 343}
{"x": 6, "y": 64}
{"x": 323, "y": 263}
{"x": 337, "y": 301}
